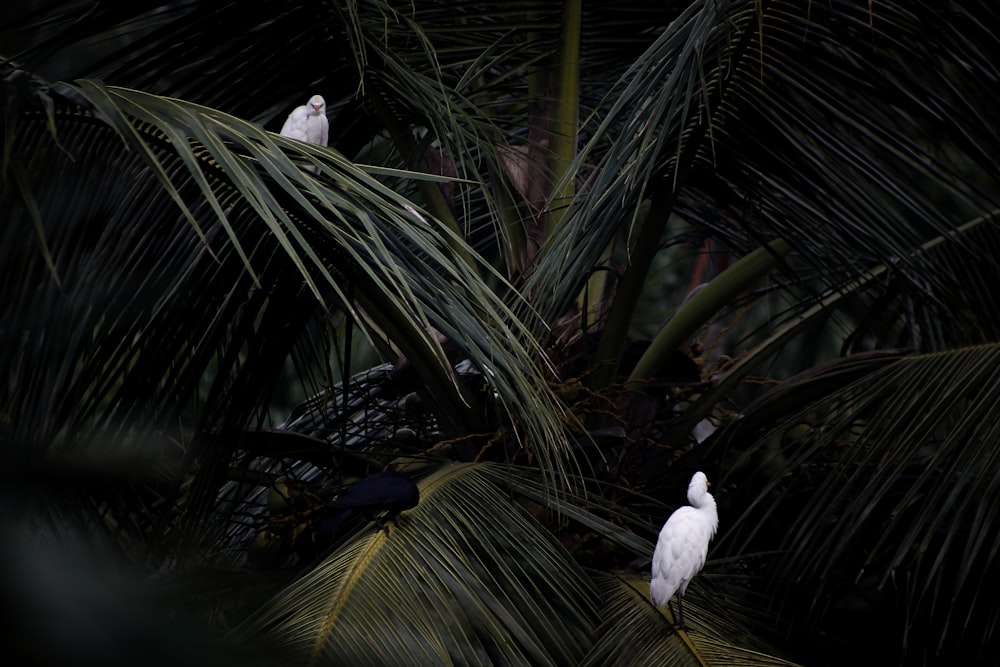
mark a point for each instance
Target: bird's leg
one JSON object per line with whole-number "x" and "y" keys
{"x": 391, "y": 516}
{"x": 678, "y": 616}
{"x": 378, "y": 522}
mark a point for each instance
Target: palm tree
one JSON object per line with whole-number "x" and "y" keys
{"x": 593, "y": 248}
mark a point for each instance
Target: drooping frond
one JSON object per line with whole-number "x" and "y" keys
{"x": 633, "y": 632}
{"x": 466, "y": 577}
{"x": 232, "y": 194}
{"x": 894, "y": 462}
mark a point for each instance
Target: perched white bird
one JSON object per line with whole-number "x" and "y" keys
{"x": 683, "y": 544}
{"x": 308, "y": 123}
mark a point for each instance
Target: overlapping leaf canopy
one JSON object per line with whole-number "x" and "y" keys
{"x": 164, "y": 255}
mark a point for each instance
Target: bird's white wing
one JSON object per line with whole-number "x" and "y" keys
{"x": 679, "y": 554}
{"x": 317, "y": 129}
{"x": 325, "y": 124}
{"x": 296, "y": 125}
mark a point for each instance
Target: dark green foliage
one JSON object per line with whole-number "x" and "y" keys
{"x": 174, "y": 284}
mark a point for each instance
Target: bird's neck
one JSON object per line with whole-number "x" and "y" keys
{"x": 711, "y": 510}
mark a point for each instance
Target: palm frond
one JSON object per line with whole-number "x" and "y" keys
{"x": 885, "y": 170}
{"x": 164, "y": 257}
{"x": 897, "y": 316}
{"x": 634, "y": 632}
{"x": 896, "y": 465}
{"x": 656, "y": 103}
{"x": 729, "y": 142}
{"x": 466, "y": 577}
{"x": 346, "y": 228}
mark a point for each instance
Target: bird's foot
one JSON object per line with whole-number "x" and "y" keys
{"x": 381, "y": 524}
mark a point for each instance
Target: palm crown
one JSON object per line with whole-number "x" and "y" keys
{"x": 596, "y": 248}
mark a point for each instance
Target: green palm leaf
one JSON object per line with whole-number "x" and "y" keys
{"x": 467, "y": 577}
{"x": 163, "y": 256}
{"x": 897, "y": 462}
{"x": 398, "y": 268}
{"x": 634, "y": 632}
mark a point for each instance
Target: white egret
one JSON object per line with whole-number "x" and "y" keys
{"x": 683, "y": 544}
{"x": 308, "y": 123}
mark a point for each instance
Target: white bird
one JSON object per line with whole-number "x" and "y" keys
{"x": 308, "y": 123}
{"x": 683, "y": 545}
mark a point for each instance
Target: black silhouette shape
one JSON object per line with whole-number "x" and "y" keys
{"x": 380, "y": 497}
